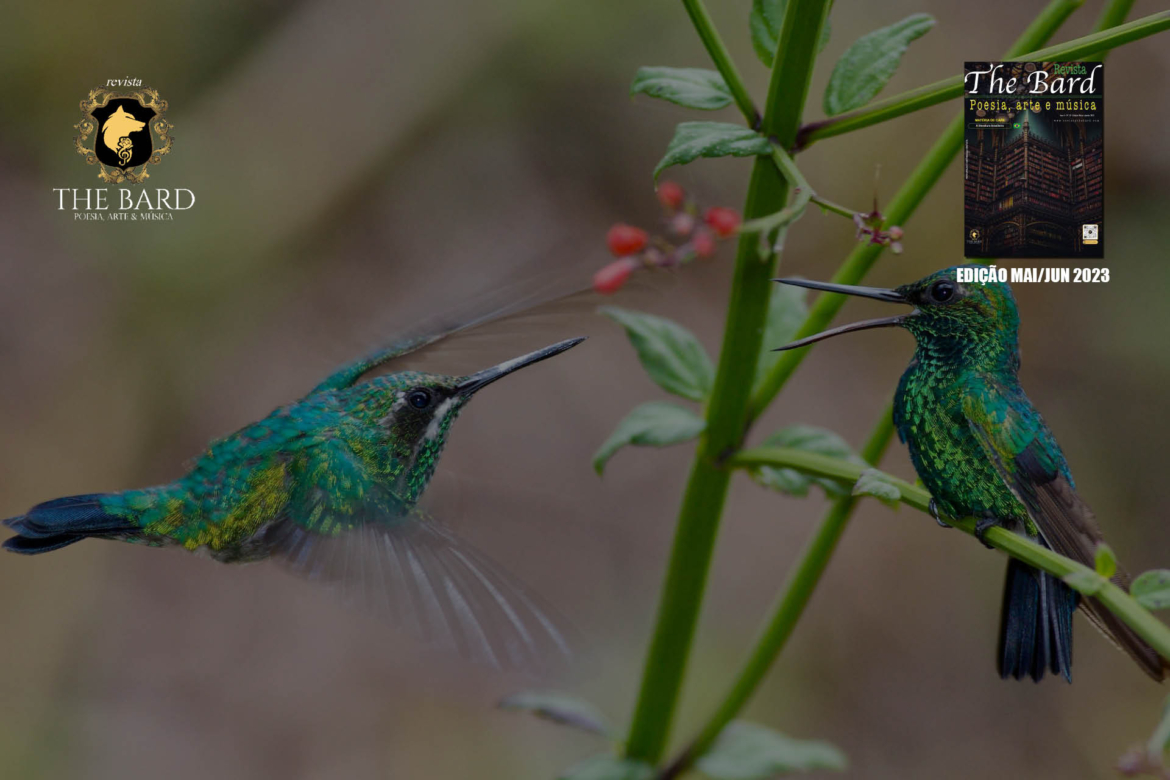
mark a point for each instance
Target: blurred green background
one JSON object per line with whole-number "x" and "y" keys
{"x": 359, "y": 163}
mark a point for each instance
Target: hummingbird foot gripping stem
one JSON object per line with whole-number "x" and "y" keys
{"x": 933, "y": 507}
{"x": 981, "y": 528}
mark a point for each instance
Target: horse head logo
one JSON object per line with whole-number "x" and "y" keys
{"x": 116, "y": 133}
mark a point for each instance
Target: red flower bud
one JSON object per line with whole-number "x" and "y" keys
{"x": 609, "y": 279}
{"x": 625, "y": 240}
{"x": 722, "y": 220}
{"x": 671, "y": 195}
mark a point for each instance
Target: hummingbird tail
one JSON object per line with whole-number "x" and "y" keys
{"x": 1035, "y": 632}
{"x": 63, "y": 521}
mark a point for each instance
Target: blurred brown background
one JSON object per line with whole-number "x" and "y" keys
{"x": 358, "y": 163}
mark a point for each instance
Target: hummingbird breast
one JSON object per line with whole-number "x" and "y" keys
{"x": 949, "y": 459}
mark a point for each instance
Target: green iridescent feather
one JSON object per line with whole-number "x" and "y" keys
{"x": 982, "y": 449}
{"x": 330, "y": 484}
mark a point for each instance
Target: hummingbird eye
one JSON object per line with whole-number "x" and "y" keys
{"x": 942, "y": 291}
{"x": 419, "y": 398}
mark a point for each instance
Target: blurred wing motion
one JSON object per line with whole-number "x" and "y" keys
{"x": 420, "y": 576}
{"x": 1028, "y": 459}
{"x": 516, "y": 306}
{"x": 412, "y": 571}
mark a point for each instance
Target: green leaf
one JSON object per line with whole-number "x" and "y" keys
{"x": 690, "y": 87}
{"x": 874, "y": 483}
{"x": 786, "y": 313}
{"x": 653, "y": 424}
{"x": 559, "y": 708}
{"x": 670, "y": 353}
{"x": 1088, "y": 583}
{"x": 1152, "y": 589}
{"x": 765, "y": 20}
{"x": 608, "y": 768}
{"x": 693, "y": 140}
{"x": 869, "y": 63}
{"x": 812, "y": 439}
{"x": 1105, "y": 563}
{"x": 747, "y": 751}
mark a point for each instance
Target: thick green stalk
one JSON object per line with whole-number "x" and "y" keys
{"x": 702, "y": 506}
{"x": 722, "y": 59}
{"x": 948, "y": 89}
{"x": 1114, "y": 598}
{"x": 815, "y": 557}
{"x": 798, "y": 588}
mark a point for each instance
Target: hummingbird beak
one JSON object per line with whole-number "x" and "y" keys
{"x": 481, "y": 379}
{"x": 877, "y": 293}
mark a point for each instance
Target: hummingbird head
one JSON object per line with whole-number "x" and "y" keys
{"x": 412, "y": 412}
{"x": 973, "y": 322}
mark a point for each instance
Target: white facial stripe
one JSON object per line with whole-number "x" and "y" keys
{"x": 437, "y": 419}
{"x": 399, "y": 401}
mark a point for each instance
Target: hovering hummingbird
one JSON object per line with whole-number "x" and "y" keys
{"x": 982, "y": 450}
{"x": 330, "y": 484}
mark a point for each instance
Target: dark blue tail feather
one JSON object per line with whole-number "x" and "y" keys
{"x": 24, "y": 545}
{"x": 61, "y": 522}
{"x": 1035, "y": 633}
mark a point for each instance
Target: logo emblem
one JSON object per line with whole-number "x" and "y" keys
{"x": 123, "y": 131}
{"x": 973, "y": 234}
{"x": 1089, "y": 234}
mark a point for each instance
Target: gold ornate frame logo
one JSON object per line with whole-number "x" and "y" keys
{"x": 158, "y": 127}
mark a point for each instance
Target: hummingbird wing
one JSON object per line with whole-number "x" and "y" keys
{"x": 503, "y": 302}
{"x": 1027, "y": 457}
{"x": 349, "y": 532}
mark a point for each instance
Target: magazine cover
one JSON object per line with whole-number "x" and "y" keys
{"x": 1034, "y": 160}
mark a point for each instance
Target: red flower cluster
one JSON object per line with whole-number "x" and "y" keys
{"x": 686, "y": 238}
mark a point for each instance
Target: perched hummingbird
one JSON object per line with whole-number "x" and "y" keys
{"x": 982, "y": 450}
{"x": 330, "y": 484}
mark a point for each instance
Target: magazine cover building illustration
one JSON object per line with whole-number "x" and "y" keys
{"x": 1034, "y": 161}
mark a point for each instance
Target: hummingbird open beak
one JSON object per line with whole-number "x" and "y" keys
{"x": 877, "y": 293}
{"x": 481, "y": 379}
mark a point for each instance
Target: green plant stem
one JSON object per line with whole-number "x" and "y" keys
{"x": 722, "y": 59}
{"x": 706, "y": 490}
{"x": 798, "y": 588}
{"x": 814, "y": 559}
{"x": 836, "y": 208}
{"x": 790, "y": 213}
{"x": 804, "y": 195}
{"x": 948, "y": 89}
{"x": 1156, "y": 744}
{"x": 1112, "y": 15}
{"x": 1113, "y": 597}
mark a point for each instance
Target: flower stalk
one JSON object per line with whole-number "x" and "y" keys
{"x": 727, "y": 410}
